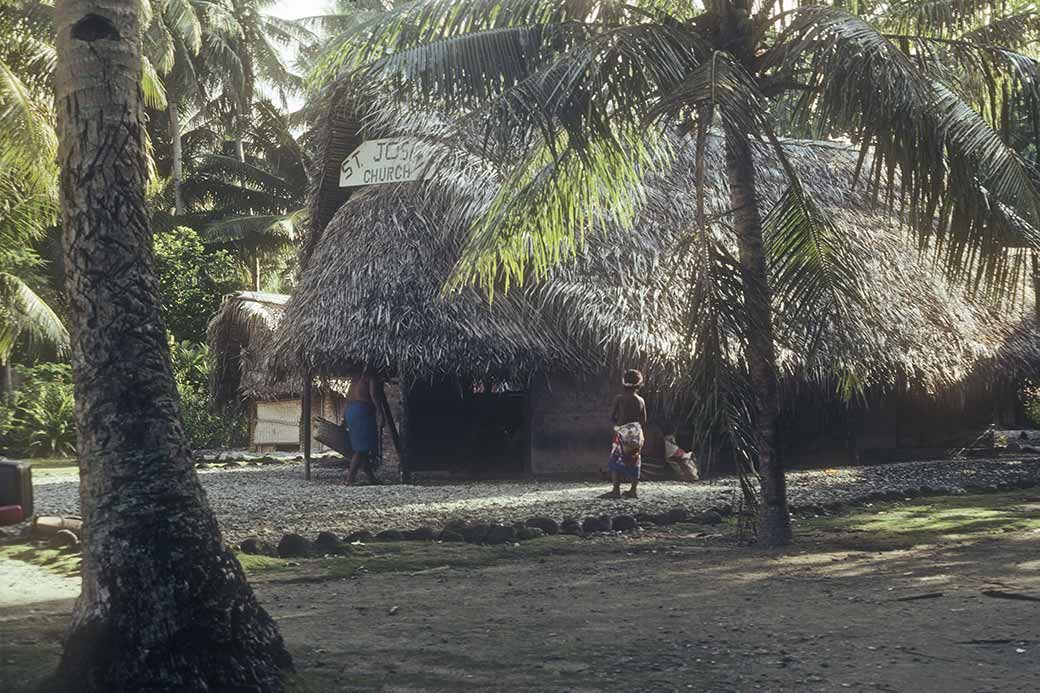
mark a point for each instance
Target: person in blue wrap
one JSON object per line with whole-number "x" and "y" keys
{"x": 362, "y": 419}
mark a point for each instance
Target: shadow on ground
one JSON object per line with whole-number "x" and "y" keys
{"x": 898, "y": 596}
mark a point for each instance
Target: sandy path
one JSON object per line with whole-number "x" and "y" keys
{"x": 23, "y": 584}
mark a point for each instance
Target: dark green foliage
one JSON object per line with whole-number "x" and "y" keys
{"x": 205, "y": 428}
{"x": 193, "y": 280}
{"x": 38, "y": 419}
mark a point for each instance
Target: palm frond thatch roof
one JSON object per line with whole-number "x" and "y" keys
{"x": 372, "y": 297}
{"x": 372, "y": 293}
{"x": 918, "y": 324}
{"x": 239, "y": 337}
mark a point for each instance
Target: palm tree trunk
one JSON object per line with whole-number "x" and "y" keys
{"x": 164, "y": 604}
{"x": 1035, "y": 261}
{"x": 177, "y": 167}
{"x": 7, "y": 381}
{"x": 775, "y": 523}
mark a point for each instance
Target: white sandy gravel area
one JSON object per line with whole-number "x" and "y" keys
{"x": 268, "y": 500}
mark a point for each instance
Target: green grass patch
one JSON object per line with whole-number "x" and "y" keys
{"x": 936, "y": 519}
{"x": 59, "y": 466}
{"x": 254, "y": 565}
{"x": 58, "y": 561}
{"x": 410, "y": 557}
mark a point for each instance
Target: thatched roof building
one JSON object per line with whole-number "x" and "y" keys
{"x": 240, "y": 336}
{"x": 371, "y": 294}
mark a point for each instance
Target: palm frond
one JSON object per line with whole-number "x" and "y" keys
{"x": 182, "y": 20}
{"x": 548, "y": 203}
{"x": 815, "y": 274}
{"x": 28, "y": 143}
{"x": 269, "y": 231}
{"x": 416, "y": 24}
{"x": 151, "y": 86}
{"x": 1014, "y": 31}
{"x": 929, "y": 151}
{"x": 23, "y": 312}
{"x": 938, "y": 17}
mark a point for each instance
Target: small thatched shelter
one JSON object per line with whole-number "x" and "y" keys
{"x": 240, "y": 337}
{"x": 522, "y": 383}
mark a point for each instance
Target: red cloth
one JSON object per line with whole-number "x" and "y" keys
{"x": 10, "y": 514}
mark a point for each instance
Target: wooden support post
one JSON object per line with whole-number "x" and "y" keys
{"x": 305, "y": 426}
{"x": 402, "y": 454}
{"x": 394, "y": 435}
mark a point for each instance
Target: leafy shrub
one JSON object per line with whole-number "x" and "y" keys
{"x": 39, "y": 419}
{"x": 193, "y": 280}
{"x": 204, "y": 427}
{"x": 48, "y": 422}
{"x": 1031, "y": 402}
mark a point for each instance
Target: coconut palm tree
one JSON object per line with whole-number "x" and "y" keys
{"x": 164, "y": 604}
{"x": 258, "y": 46}
{"x": 254, "y": 207}
{"x": 569, "y": 100}
{"x": 185, "y": 41}
{"x": 28, "y": 177}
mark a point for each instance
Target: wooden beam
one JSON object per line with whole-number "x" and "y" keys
{"x": 394, "y": 435}
{"x": 305, "y": 426}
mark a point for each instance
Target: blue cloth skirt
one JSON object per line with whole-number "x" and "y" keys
{"x": 361, "y": 421}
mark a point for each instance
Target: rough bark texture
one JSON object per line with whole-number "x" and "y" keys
{"x": 775, "y": 523}
{"x": 1035, "y": 262}
{"x": 165, "y": 606}
{"x": 7, "y": 380}
{"x": 177, "y": 167}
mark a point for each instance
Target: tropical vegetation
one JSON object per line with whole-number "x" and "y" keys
{"x": 228, "y": 180}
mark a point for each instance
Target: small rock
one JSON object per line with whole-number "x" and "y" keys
{"x": 475, "y": 534}
{"x": 450, "y": 536}
{"x": 624, "y": 523}
{"x": 571, "y": 526}
{"x": 645, "y": 519}
{"x": 63, "y": 538}
{"x": 293, "y": 546}
{"x": 499, "y": 534}
{"x": 662, "y": 519}
{"x": 546, "y": 524}
{"x": 327, "y": 542}
{"x": 250, "y": 546}
{"x": 421, "y": 534}
{"x": 528, "y": 533}
{"x": 362, "y": 536}
{"x": 710, "y": 517}
{"x": 390, "y": 535}
{"x": 394, "y": 610}
{"x": 679, "y": 515}
{"x": 595, "y": 524}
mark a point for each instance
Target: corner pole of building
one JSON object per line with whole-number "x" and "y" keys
{"x": 305, "y": 426}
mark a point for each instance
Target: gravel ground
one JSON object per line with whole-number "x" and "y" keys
{"x": 268, "y": 500}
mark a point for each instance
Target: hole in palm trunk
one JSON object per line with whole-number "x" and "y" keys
{"x": 94, "y": 27}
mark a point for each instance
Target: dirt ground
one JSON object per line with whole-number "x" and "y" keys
{"x": 935, "y": 594}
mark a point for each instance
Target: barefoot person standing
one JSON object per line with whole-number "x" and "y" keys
{"x": 363, "y": 399}
{"x": 629, "y": 415}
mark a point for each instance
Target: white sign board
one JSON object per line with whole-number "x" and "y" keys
{"x": 390, "y": 160}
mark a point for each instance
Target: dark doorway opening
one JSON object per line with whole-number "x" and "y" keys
{"x": 479, "y": 430}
